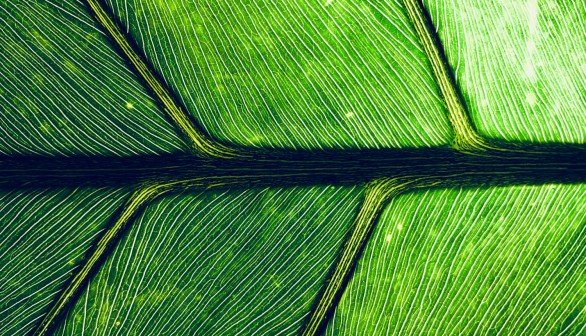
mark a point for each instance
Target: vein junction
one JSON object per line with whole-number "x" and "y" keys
{"x": 470, "y": 161}
{"x": 199, "y": 144}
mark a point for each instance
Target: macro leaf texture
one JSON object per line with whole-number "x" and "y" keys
{"x": 231, "y": 264}
{"x": 65, "y": 91}
{"x": 521, "y": 65}
{"x": 44, "y": 236}
{"x": 294, "y": 74}
{"x": 455, "y": 261}
{"x": 255, "y": 167}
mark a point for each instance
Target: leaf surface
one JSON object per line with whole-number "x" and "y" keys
{"x": 521, "y": 65}
{"x": 508, "y": 260}
{"x": 219, "y": 263}
{"x": 43, "y": 238}
{"x": 294, "y": 74}
{"x": 65, "y": 91}
{"x": 351, "y": 87}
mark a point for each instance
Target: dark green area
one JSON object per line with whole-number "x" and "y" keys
{"x": 219, "y": 263}
{"x": 250, "y": 244}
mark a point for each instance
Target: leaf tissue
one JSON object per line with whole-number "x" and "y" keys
{"x": 297, "y": 167}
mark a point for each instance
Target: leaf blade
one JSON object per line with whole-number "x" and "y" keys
{"x": 66, "y": 92}
{"x": 506, "y": 260}
{"x": 294, "y": 74}
{"x": 220, "y": 262}
{"x": 520, "y": 65}
{"x": 43, "y": 238}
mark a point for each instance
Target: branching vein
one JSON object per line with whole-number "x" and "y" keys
{"x": 377, "y": 194}
{"x": 136, "y": 202}
{"x": 199, "y": 143}
{"x": 466, "y": 137}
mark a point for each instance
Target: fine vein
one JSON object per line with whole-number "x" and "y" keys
{"x": 466, "y": 137}
{"x": 377, "y": 194}
{"x": 137, "y": 201}
{"x": 248, "y": 173}
{"x": 199, "y": 143}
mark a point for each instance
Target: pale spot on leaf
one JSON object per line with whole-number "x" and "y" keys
{"x": 529, "y": 69}
{"x": 531, "y": 98}
{"x": 532, "y": 11}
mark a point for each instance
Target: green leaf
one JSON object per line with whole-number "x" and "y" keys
{"x": 294, "y": 74}
{"x": 219, "y": 263}
{"x": 292, "y": 167}
{"x": 65, "y": 91}
{"x": 451, "y": 261}
{"x": 521, "y": 65}
{"x": 44, "y": 235}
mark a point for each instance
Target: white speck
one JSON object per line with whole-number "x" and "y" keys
{"x": 531, "y": 98}
{"x": 530, "y": 45}
{"x": 328, "y": 2}
{"x": 388, "y": 238}
{"x": 349, "y": 114}
{"x": 400, "y": 227}
{"x": 532, "y": 19}
{"x": 129, "y": 105}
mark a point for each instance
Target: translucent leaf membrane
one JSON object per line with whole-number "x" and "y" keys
{"x": 65, "y": 91}
{"x": 521, "y": 65}
{"x": 43, "y": 237}
{"x": 503, "y": 261}
{"x": 294, "y": 74}
{"x": 219, "y": 263}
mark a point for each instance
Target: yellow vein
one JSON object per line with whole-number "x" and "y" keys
{"x": 136, "y": 202}
{"x": 199, "y": 143}
{"x": 378, "y": 193}
{"x": 466, "y": 137}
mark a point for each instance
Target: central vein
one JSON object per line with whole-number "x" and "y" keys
{"x": 388, "y": 172}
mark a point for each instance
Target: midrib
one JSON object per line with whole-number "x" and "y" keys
{"x": 470, "y": 161}
{"x": 519, "y": 165}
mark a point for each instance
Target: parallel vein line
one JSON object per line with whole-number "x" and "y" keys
{"x": 199, "y": 143}
{"x": 377, "y": 194}
{"x": 466, "y": 137}
{"x": 136, "y": 202}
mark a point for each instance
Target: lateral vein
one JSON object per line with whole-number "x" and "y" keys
{"x": 137, "y": 201}
{"x": 199, "y": 143}
{"x": 377, "y": 194}
{"x": 466, "y": 138}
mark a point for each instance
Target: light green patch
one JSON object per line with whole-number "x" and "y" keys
{"x": 521, "y": 65}
{"x": 46, "y": 128}
{"x": 70, "y": 66}
{"x": 40, "y": 39}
